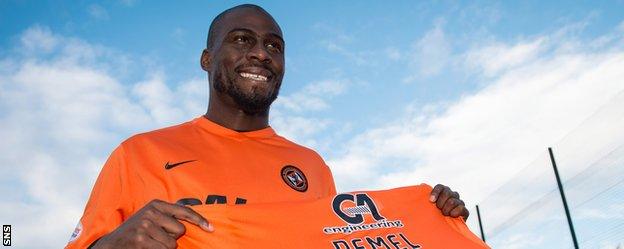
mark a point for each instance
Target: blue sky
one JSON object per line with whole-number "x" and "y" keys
{"x": 325, "y": 40}
{"x": 390, "y": 94}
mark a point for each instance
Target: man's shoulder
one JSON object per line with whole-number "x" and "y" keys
{"x": 169, "y": 134}
{"x": 298, "y": 147}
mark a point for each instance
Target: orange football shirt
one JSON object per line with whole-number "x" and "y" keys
{"x": 396, "y": 218}
{"x": 200, "y": 163}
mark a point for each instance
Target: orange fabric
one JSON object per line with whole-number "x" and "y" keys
{"x": 224, "y": 166}
{"x": 315, "y": 224}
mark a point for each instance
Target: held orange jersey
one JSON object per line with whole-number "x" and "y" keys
{"x": 200, "y": 162}
{"x": 396, "y": 218}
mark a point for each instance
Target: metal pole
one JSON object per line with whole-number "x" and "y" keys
{"x": 480, "y": 225}
{"x": 563, "y": 198}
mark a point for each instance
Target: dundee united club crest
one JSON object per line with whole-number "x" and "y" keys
{"x": 294, "y": 178}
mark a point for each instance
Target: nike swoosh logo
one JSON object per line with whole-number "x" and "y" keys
{"x": 171, "y": 165}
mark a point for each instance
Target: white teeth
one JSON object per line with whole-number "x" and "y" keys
{"x": 253, "y": 76}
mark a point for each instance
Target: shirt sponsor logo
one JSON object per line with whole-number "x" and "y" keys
{"x": 360, "y": 213}
{"x": 210, "y": 199}
{"x": 294, "y": 178}
{"x": 352, "y": 208}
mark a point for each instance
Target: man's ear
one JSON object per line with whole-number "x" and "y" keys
{"x": 204, "y": 61}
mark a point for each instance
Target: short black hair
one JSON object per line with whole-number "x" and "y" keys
{"x": 213, "y": 30}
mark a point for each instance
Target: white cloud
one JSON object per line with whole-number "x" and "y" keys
{"x": 288, "y": 113}
{"x": 155, "y": 96}
{"x": 610, "y": 212}
{"x": 128, "y": 3}
{"x": 62, "y": 111}
{"x": 38, "y": 39}
{"x": 430, "y": 54}
{"x": 360, "y": 58}
{"x": 519, "y": 241}
{"x": 312, "y": 97}
{"x": 179, "y": 34}
{"x": 531, "y": 103}
{"x": 97, "y": 12}
{"x": 340, "y": 43}
{"x": 299, "y": 129}
{"x": 393, "y": 53}
{"x": 499, "y": 56}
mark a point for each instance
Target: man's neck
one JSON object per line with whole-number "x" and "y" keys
{"x": 236, "y": 119}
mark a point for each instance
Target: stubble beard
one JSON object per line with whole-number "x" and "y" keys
{"x": 250, "y": 103}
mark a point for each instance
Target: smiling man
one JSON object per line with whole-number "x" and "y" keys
{"x": 230, "y": 155}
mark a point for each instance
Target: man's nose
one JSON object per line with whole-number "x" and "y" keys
{"x": 259, "y": 53}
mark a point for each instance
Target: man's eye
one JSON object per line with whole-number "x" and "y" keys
{"x": 275, "y": 46}
{"x": 241, "y": 39}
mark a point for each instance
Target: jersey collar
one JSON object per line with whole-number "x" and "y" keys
{"x": 213, "y": 127}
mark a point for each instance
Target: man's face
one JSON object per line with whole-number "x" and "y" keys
{"x": 247, "y": 60}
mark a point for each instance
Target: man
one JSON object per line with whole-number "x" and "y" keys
{"x": 228, "y": 156}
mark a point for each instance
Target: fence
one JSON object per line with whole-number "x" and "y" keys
{"x": 527, "y": 211}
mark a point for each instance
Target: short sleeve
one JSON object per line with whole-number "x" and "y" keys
{"x": 105, "y": 209}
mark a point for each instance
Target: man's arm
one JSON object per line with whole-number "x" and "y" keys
{"x": 448, "y": 202}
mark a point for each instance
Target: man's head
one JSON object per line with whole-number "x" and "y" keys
{"x": 245, "y": 58}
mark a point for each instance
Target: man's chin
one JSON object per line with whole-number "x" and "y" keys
{"x": 253, "y": 100}
{"x": 253, "y": 105}
{"x": 255, "y": 109}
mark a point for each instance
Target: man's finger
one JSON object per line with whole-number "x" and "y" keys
{"x": 171, "y": 225}
{"x": 443, "y": 197}
{"x": 158, "y": 234}
{"x": 183, "y": 213}
{"x": 465, "y": 213}
{"x": 436, "y": 192}
{"x": 451, "y": 204}
{"x": 457, "y": 211}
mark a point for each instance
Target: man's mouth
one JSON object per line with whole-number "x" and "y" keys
{"x": 255, "y": 73}
{"x": 253, "y": 76}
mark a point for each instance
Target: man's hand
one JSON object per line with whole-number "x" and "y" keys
{"x": 156, "y": 225}
{"x": 448, "y": 202}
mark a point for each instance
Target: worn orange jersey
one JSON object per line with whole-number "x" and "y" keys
{"x": 396, "y": 218}
{"x": 200, "y": 163}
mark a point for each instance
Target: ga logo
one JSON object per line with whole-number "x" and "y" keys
{"x": 358, "y": 205}
{"x": 352, "y": 209}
